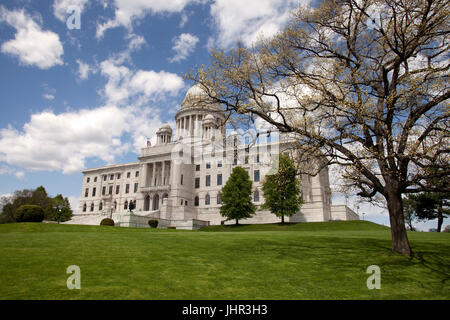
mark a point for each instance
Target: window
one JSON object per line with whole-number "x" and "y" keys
{"x": 86, "y": 192}
{"x": 104, "y": 178}
{"x": 219, "y": 164}
{"x": 219, "y": 179}
{"x": 125, "y": 206}
{"x": 100, "y": 206}
{"x": 137, "y": 174}
{"x": 110, "y": 191}
{"x": 197, "y": 167}
{"x": 196, "y": 201}
{"x": 127, "y": 188}
{"x": 207, "y": 200}
{"x": 208, "y": 165}
{"x": 256, "y": 196}
{"x": 128, "y": 174}
{"x": 136, "y": 187}
{"x": 118, "y": 176}
{"x": 197, "y": 183}
{"x": 117, "y": 189}
{"x": 246, "y": 160}
{"x": 208, "y": 180}
{"x": 84, "y": 207}
{"x": 94, "y": 190}
{"x": 185, "y": 202}
{"x": 103, "y": 191}
{"x": 219, "y": 199}
{"x": 92, "y": 206}
{"x": 181, "y": 182}
{"x": 88, "y": 180}
{"x": 95, "y": 179}
{"x": 256, "y": 175}
{"x": 111, "y": 177}
{"x": 257, "y": 158}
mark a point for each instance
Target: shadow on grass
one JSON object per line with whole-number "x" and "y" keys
{"x": 433, "y": 262}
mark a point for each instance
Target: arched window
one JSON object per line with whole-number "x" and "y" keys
{"x": 207, "y": 199}
{"x": 125, "y": 206}
{"x": 84, "y": 207}
{"x": 100, "y": 206}
{"x": 92, "y": 206}
{"x": 256, "y": 196}
{"x": 147, "y": 203}
{"x": 156, "y": 202}
{"x": 196, "y": 201}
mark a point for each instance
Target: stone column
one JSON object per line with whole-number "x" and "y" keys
{"x": 144, "y": 175}
{"x": 163, "y": 173}
{"x": 153, "y": 183}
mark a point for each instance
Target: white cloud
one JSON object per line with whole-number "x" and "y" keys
{"x": 184, "y": 19}
{"x": 125, "y": 85}
{"x": 31, "y": 45}
{"x": 184, "y": 45}
{"x": 48, "y": 96}
{"x": 127, "y": 11}
{"x": 5, "y": 170}
{"x": 248, "y": 20}
{"x": 84, "y": 69}
{"x": 54, "y": 142}
{"x": 60, "y": 7}
{"x": 20, "y": 175}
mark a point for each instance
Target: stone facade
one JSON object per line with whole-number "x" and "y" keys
{"x": 178, "y": 180}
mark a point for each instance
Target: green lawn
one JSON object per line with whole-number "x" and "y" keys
{"x": 296, "y": 261}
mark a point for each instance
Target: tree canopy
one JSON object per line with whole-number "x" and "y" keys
{"x": 55, "y": 208}
{"x": 362, "y": 83}
{"x": 282, "y": 192}
{"x": 236, "y": 196}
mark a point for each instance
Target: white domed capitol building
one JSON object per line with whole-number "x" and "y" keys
{"x": 177, "y": 181}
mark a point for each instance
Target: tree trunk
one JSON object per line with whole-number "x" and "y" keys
{"x": 237, "y": 221}
{"x": 440, "y": 221}
{"x": 282, "y": 218}
{"x": 400, "y": 243}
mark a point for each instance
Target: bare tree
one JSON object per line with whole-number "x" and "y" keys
{"x": 363, "y": 83}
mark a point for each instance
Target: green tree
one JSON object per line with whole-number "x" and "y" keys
{"x": 430, "y": 206}
{"x": 29, "y": 213}
{"x": 362, "y": 83}
{"x": 409, "y": 212}
{"x": 282, "y": 192}
{"x": 59, "y": 209}
{"x": 236, "y": 196}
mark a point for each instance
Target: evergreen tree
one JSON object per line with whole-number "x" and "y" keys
{"x": 282, "y": 192}
{"x": 430, "y": 206}
{"x": 236, "y": 196}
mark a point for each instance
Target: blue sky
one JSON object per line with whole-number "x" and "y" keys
{"x": 82, "y": 98}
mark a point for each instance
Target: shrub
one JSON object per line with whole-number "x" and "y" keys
{"x": 107, "y": 222}
{"x": 29, "y": 213}
{"x": 153, "y": 223}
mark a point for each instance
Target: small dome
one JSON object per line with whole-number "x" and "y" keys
{"x": 209, "y": 117}
{"x": 165, "y": 127}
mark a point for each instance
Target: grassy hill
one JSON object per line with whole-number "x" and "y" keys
{"x": 310, "y": 261}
